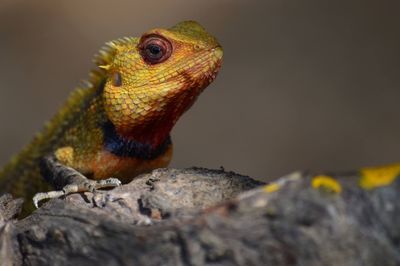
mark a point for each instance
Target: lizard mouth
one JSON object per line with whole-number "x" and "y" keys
{"x": 218, "y": 52}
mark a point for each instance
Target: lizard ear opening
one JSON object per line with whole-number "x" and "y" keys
{"x": 116, "y": 79}
{"x": 154, "y": 48}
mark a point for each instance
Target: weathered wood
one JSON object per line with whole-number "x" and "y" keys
{"x": 203, "y": 217}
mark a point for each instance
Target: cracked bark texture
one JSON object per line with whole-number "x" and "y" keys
{"x": 208, "y": 217}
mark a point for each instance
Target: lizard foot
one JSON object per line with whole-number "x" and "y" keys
{"x": 85, "y": 186}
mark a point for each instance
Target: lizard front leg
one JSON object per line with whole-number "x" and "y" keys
{"x": 67, "y": 180}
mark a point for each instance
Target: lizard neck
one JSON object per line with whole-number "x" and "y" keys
{"x": 153, "y": 133}
{"x": 133, "y": 146}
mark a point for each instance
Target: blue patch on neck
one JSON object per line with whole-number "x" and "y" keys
{"x": 122, "y": 147}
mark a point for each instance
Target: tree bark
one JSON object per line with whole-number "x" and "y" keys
{"x": 209, "y": 217}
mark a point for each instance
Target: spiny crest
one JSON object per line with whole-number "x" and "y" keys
{"x": 107, "y": 52}
{"x": 86, "y": 90}
{"x": 102, "y": 59}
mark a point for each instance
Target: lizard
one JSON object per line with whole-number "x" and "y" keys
{"x": 117, "y": 124}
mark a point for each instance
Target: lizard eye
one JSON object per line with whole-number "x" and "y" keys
{"x": 154, "y": 49}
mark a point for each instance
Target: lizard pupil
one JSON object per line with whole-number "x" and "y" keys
{"x": 154, "y": 51}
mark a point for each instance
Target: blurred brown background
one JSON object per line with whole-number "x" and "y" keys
{"x": 305, "y": 84}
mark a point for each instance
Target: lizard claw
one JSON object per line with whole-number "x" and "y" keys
{"x": 38, "y": 197}
{"x": 110, "y": 182}
{"x": 46, "y": 195}
{"x": 85, "y": 186}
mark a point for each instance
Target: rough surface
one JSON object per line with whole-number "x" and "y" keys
{"x": 206, "y": 217}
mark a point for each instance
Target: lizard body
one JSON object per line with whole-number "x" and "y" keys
{"x": 118, "y": 124}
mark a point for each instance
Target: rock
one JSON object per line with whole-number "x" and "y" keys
{"x": 207, "y": 217}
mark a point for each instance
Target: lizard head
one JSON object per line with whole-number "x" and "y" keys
{"x": 154, "y": 79}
